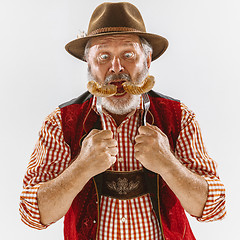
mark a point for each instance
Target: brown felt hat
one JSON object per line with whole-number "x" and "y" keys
{"x": 117, "y": 18}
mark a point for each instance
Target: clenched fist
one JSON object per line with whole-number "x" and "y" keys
{"x": 152, "y": 148}
{"x": 98, "y": 151}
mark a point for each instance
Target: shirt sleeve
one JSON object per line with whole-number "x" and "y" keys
{"x": 191, "y": 151}
{"x": 49, "y": 158}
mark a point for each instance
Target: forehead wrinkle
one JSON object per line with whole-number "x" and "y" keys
{"x": 126, "y": 44}
{"x": 104, "y": 42}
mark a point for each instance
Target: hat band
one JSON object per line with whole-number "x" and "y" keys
{"x": 113, "y": 29}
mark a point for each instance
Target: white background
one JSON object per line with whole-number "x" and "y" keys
{"x": 200, "y": 67}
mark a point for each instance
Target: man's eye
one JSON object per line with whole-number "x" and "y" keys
{"x": 128, "y": 55}
{"x": 104, "y": 56}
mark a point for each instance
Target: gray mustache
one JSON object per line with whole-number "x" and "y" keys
{"x": 120, "y": 76}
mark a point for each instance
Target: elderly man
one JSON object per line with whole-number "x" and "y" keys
{"x": 98, "y": 163}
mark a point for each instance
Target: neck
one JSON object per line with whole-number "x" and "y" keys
{"x": 118, "y": 118}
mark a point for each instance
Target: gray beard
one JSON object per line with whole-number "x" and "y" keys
{"x": 121, "y": 106}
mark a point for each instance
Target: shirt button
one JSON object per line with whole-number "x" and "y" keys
{"x": 118, "y": 130}
{"x": 123, "y": 219}
{"x": 120, "y": 159}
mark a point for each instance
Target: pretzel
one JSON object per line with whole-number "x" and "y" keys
{"x": 101, "y": 91}
{"x": 144, "y": 87}
{"x": 110, "y": 90}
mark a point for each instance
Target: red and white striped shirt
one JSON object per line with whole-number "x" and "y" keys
{"x": 120, "y": 219}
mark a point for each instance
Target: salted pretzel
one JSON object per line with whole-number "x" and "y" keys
{"x": 110, "y": 90}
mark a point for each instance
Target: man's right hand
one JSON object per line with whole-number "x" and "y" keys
{"x": 98, "y": 152}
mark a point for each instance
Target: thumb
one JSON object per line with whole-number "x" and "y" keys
{"x": 156, "y": 129}
{"x": 86, "y": 136}
{"x": 93, "y": 132}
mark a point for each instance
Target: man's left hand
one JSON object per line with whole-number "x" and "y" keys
{"x": 152, "y": 148}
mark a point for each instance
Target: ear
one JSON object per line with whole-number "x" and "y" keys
{"x": 149, "y": 60}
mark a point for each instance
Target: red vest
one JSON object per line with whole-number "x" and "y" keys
{"x": 81, "y": 220}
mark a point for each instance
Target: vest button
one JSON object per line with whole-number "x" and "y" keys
{"x": 94, "y": 221}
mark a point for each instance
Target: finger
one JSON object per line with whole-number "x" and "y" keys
{"x": 143, "y": 139}
{"x": 112, "y": 151}
{"x": 139, "y": 146}
{"x": 93, "y": 132}
{"x": 110, "y": 143}
{"x": 138, "y": 153}
{"x": 146, "y": 130}
{"x": 156, "y": 129}
{"x": 104, "y": 134}
{"x": 113, "y": 160}
{"x": 136, "y": 147}
{"x": 150, "y": 130}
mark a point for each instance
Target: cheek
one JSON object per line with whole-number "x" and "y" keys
{"x": 136, "y": 71}
{"x": 94, "y": 69}
{"x": 98, "y": 71}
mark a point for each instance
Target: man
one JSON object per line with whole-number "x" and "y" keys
{"x": 111, "y": 177}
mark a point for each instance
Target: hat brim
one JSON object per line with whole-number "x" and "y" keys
{"x": 159, "y": 44}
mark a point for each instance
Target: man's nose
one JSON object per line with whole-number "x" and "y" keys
{"x": 116, "y": 66}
